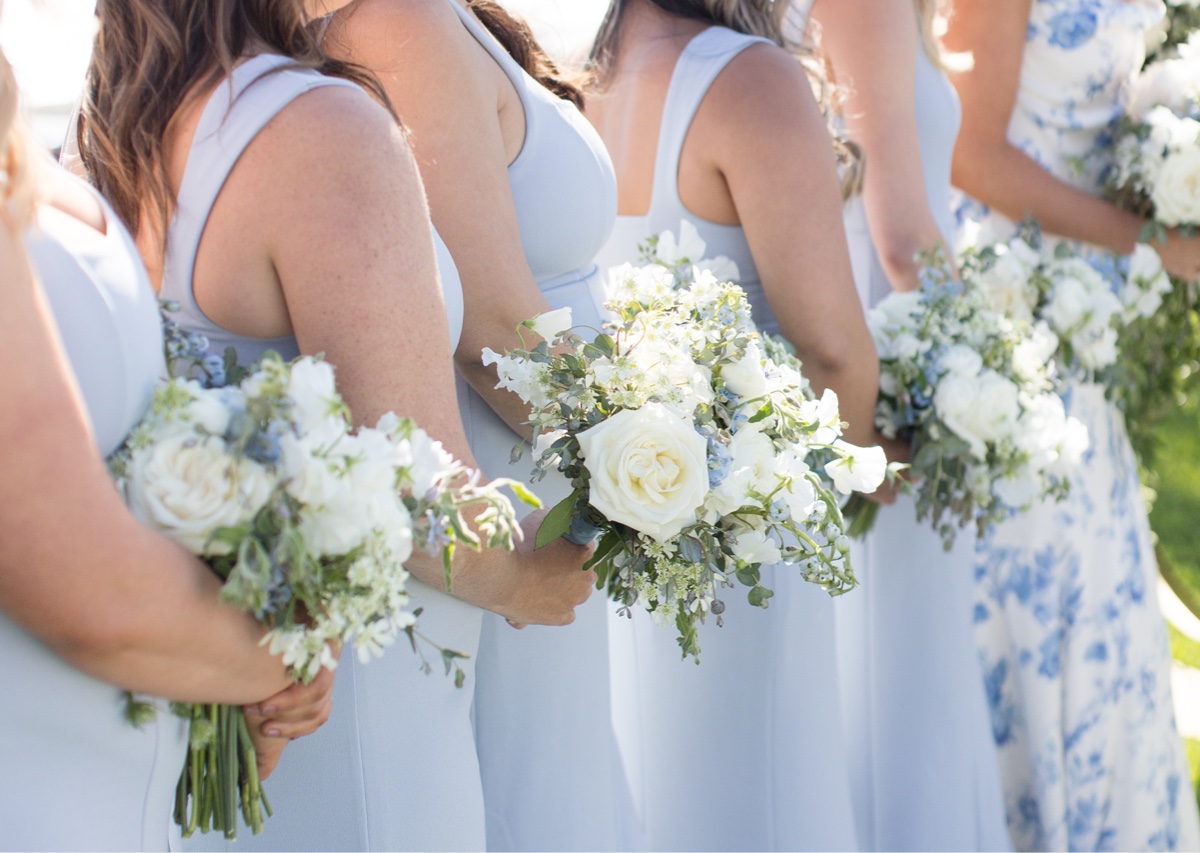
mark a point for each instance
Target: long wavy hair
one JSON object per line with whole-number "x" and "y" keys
{"x": 775, "y": 20}
{"x": 152, "y": 58}
{"x": 516, "y": 37}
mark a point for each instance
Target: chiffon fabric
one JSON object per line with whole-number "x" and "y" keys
{"x": 1074, "y": 647}
{"x": 394, "y": 768}
{"x": 75, "y": 774}
{"x": 552, "y": 778}
{"x": 923, "y": 764}
{"x": 744, "y": 751}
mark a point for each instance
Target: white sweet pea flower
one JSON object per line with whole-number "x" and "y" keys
{"x": 861, "y": 469}
{"x": 689, "y": 248}
{"x": 756, "y": 546}
{"x": 961, "y": 360}
{"x": 315, "y": 399}
{"x": 720, "y": 268}
{"x": 746, "y": 377}
{"x": 827, "y": 414}
{"x": 649, "y": 470}
{"x": 1019, "y": 489}
{"x": 552, "y": 324}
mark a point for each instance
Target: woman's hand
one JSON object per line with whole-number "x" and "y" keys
{"x": 896, "y": 450}
{"x": 552, "y": 582}
{"x": 1180, "y": 255}
{"x": 294, "y": 712}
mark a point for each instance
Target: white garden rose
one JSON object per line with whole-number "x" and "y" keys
{"x": 1176, "y": 191}
{"x": 1007, "y": 283}
{"x": 187, "y": 487}
{"x": 961, "y": 360}
{"x": 746, "y": 377}
{"x": 1032, "y": 355}
{"x": 649, "y": 469}
{"x": 978, "y": 410}
{"x": 861, "y": 470}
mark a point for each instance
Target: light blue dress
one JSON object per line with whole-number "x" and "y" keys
{"x": 922, "y": 759}
{"x": 394, "y": 768}
{"x": 552, "y": 778}
{"x": 744, "y": 751}
{"x": 1067, "y": 619}
{"x": 74, "y": 774}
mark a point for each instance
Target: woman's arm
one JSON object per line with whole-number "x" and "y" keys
{"x": 76, "y": 570}
{"x": 872, "y": 45}
{"x": 762, "y": 130}
{"x": 444, "y": 88}
{"x": 1002, "y": 176}
{"x": 352, "y": 250}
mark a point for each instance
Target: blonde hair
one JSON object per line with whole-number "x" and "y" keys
{"x": 930, "y": 16}
{"x": 17, "y": 185}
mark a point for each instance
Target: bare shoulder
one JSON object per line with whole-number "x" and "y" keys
{"x": 762, "y": 85}
{"x": 390, "y": 35}
{"x": 336, "y": 124}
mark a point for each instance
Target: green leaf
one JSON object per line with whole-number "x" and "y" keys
{"x": 558, "y": 520}
{"x": 758, "y": 596}
{"x": 524, "y": 495}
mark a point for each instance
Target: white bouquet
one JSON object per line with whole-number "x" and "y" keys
{"x": 693, "y": 444}
{"x": 1119, "y": 321}
{"x": 972, "y": 391}
{"x": 307, "y": 521}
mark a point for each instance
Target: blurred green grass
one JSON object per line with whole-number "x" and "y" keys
{"x": 1175, "y": 518}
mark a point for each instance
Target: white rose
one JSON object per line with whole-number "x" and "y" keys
{"x": 1176, "y": 191}
{"x": 210, "y": 409}
{"x": 1019, "y": 490}
{"x": 979, "y": 410}
{"x": 961, "y": 360}
{"x": 649, "y": 469}
{"x": 187, "y": 487}
{"x": 552, "y": 324}
{"x": 862, "y": 469}
{"x": 1031, "y": 356}
{"x": 1096, "y": 345}
{"x": 1007, "y": 284}
{"x": 746, "y": 377}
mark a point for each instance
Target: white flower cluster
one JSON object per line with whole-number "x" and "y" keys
{"x": 1156, "y": 147}
{"x": 308, "y": 521}
{"x": 1079, "y": 305}
{"x": 694, "y": 444}
{"x": 972, "y": 389}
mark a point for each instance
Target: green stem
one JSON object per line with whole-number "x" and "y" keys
{"x": 861, "y": 513}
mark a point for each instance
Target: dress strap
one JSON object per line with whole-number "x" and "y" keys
{"x": 238, "y": 108}
{"x": 704, "y": 57}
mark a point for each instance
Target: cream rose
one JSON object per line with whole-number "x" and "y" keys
{"x": 187, "y": 488}
{"x": 978, "y": 410}
{"x": 746, "y": 377}
{"x": 1176, "y": 193}
{"x": 649, "y": 469}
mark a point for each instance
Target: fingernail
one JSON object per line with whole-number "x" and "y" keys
{"x": 268, "y": 710}
{"x": 272, "y": 732}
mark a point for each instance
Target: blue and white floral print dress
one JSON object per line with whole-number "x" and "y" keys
{"x": 1075, "y": 652}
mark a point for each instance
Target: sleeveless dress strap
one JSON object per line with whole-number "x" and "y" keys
{"x": 239, "y": 107}
{"x": 704, "y": 57}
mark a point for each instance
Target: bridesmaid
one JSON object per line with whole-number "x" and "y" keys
{"x": 522, "y": 190}
{"x": 278, "y": 205}
{"x": 1073, "y": 643}
{"x": 92, "y": 603}
{"x": 923, "y": 764}
{"x": 711, "y": 119}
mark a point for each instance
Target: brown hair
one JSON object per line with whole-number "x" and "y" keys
{"x": 154, "y": 56}
{"x": 516, "y": 37}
